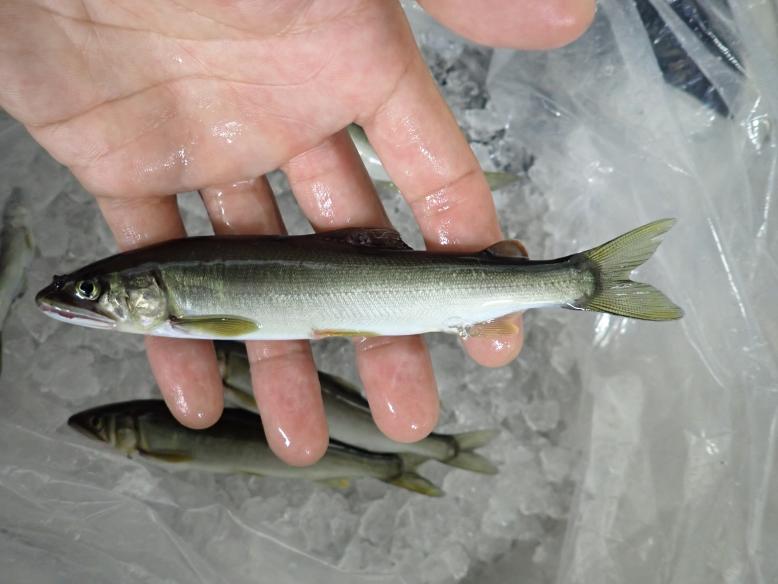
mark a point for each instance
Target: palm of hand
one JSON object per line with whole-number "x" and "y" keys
{"x": 143, "y": 100}
{"x": 155, "y": 98}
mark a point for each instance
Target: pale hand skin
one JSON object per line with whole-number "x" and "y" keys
{"x": 142, "y": 100}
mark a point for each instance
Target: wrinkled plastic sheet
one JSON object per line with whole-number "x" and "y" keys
{"x": 675, "y": 424}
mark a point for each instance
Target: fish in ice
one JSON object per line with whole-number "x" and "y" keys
{"x": 375, "y": 168}
{"x": 349, "y": 419}
{"x": 17, "y": 250}
{"x": 235, "y": 444}
{"x": 352, "y": 282}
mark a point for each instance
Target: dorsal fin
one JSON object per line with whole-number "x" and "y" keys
{"x": 367, "y": 237}
{"x": 508, "y": 248}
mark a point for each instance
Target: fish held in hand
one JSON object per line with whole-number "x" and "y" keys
{"x": 352, "y": 282}
{"x": 349, "y": 419}
{"x": 235, "y": 444}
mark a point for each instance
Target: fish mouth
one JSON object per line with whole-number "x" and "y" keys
{"x": 76, "y": 422}
{"x": 59, "y": 309}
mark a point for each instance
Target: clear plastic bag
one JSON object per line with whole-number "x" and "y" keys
{"x": 629, "y": 451}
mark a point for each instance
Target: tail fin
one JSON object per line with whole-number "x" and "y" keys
{"x": 468, "y": 460}
{"x": 612, "y": 264}
{"x": 410, "y": 479}
{"x": 498, "y": 180}
{"x": 416, "y": 483}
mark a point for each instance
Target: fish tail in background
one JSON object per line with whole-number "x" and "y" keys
{"x": 409, "y": 479}
{"x": 612, "y": 264}
{"x": 418, "y": 484}
{"x": 466, "y": 459}
{"x": 498, "y": 180}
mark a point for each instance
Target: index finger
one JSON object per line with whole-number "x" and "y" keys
{"x": 426, "y": 155}
{"x": 185, "y": 369}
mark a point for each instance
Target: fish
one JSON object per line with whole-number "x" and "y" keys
{"x": 17, "y": 249}
{"x": 346, "y": 283}
{"x": 235, "y": 444}
{"x": 375, "y": 168}
{"x": 679, "y": 68}
{"x": 349, "y": 419}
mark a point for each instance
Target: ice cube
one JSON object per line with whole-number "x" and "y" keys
{"x": 556, "y": 462}
{"x": 542, "y": 416}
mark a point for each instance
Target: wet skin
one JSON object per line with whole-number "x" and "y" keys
{"x": 143, "y": 100}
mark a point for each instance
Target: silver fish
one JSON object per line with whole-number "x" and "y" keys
{"x": 349, "y": 419}
{"x": 235, "y": 444}
{"x": 352, "y": 282}
{"x": 17, "y": 250}
{"x": 375, "y": 168}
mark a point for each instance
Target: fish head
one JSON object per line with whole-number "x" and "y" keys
{"x": 111, "y": 424}
{"x": 90, "y": 297}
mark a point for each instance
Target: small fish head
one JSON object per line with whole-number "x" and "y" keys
{"x": 130, "y": 303}
{"x": 95, "y": 423}
{"x": 108, "y": 424}
{"x": 76, "y": 300}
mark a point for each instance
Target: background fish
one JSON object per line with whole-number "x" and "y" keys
{"x": 678, "y": 67}
{"x": 17, "y": 250}
{"x": 375, "y": 168}
{"x": 353, "y": 282}
{"x": 349, "y": 419}
{"x": 235, "y": 444}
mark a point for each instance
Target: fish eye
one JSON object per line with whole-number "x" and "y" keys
{"x": 87, "y": 289}
{"x": 95, "y": 422}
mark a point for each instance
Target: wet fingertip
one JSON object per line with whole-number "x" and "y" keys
{"x": 496, "y": 351}
{"x": 531, "y": 24}
{"x": 195, "y": 406}
{"x": 407, "y": 421}
{"x": 198, "y": 416}
{"x": 410, "y": 428}
{"x": 565, "y": 21}
{"x": 188, "y": 379}
{"x": 302, "y": 451}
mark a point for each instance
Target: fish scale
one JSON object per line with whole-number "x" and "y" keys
{"x": 354, "y": 282}
{"x": 235, "y": 443}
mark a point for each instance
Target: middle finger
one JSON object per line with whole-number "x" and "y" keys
{"x": 283, "y": 373}
{"x": 334, "y": 191}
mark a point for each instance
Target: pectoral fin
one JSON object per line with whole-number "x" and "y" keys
{"x": 217, "y": 326}
{"x": 492, "y": 328}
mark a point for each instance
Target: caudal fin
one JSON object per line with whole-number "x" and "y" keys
{"x": 467, "y": 459}
{"x": 612, "y": 264}
{"x": 498, "y": 180}
{"x": 473, "y": 462}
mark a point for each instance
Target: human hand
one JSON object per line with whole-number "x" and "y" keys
{"x": 144, "y": 100}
